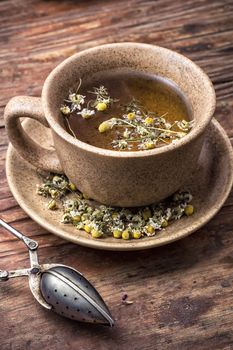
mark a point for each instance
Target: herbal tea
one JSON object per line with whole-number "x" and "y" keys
{"x": 127, "y": 112}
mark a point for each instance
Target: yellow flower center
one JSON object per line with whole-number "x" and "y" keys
{"x": 101, "y": 106}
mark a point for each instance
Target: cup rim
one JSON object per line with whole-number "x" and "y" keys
{"x": 196, "y": 131}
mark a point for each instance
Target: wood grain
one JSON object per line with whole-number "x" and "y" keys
{"x": 182, "y": 293}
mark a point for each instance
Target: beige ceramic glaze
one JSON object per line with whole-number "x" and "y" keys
{"x": 210, "y": 186}
{"x": 112, "y": 177}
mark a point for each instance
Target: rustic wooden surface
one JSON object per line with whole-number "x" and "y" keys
{"x": 182, "y": 293}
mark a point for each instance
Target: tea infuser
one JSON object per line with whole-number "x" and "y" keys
{"x": 59, "y": 287}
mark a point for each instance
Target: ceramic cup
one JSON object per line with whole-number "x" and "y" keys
{"x": 114, "y": 177}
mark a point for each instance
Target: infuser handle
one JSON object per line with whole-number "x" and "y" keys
{"x": 30, "y": 243}
{"x": 5, "y": 275}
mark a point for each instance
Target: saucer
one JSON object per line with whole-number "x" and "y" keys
{"x": 210, "y": 186}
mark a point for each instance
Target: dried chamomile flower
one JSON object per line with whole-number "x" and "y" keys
{"x": 102, "y": 99}
{"x": 96, "y": 233}
{"x": 155, "y": 223}
{"x": 102, "y": 220}
{"x": 127, "y": 133}
{"x": 85, "y": 217}
{"x": 72, "y": 186}
{"x": 136, "y": 234}
{"x": 54, "y": 193}
{"x": 105, "y": 126}
{"x": 149, "y": 145}
{"x": 79, "y": 225}
{"x": 146, "y": 213}
{"x": 60, "y": 182}
{"x": 97, "y": 214}
{"x": 126, "y": 214}
{"x": 177, "y": 212}
{"x": 101, "y": 106}
{"x": 76, "y": 101}
{"x": 115, "y": 215}
{"x": 131, "y": 116}
{"x": 88, "y": 227}
{"x": 133, "y": 106}
{"x": 117, "y": 233}
{"x": 121, "y": 144}
{"x": 141, "y": 130}
{"x": 164, "y": 223}
{"x": 86, "y": 113}
{"x": 54, "y": 187}
{"x": 149, "y": 121}
{"x": 189, "y": 209}
{"x": 168, "y": 214}
{"x": 52, "y": 205}
{"x": 185, "y": 125}
{"x": 43, "y": 190}
{"x": 66, "y": 218}
{"x": 182, "y": 196}
{"x": 149, "y": 230}
{"x": 69, "y": 205}
{"x": 180, "y": 134}
{"x": 126, "y": 234}
{"x": 65, "y": 110}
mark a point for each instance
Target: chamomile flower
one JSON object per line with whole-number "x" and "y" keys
{"x": 86, "y": 113}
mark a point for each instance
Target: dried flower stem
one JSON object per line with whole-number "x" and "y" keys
{"x": 69, "y": 127}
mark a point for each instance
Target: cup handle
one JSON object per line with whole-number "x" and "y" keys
{"x": 29, "y": 107}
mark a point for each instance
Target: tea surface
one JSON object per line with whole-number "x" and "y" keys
{"x": 146, "y": 112}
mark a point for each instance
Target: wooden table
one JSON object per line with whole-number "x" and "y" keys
{"x": 182, "y": 292}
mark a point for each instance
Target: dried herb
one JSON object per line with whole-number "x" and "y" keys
{"x": 101, "y": 220}
{"x": 144, "y": 127}
{"x": 134, "y": 127}
{"x": 102, "y": 99}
